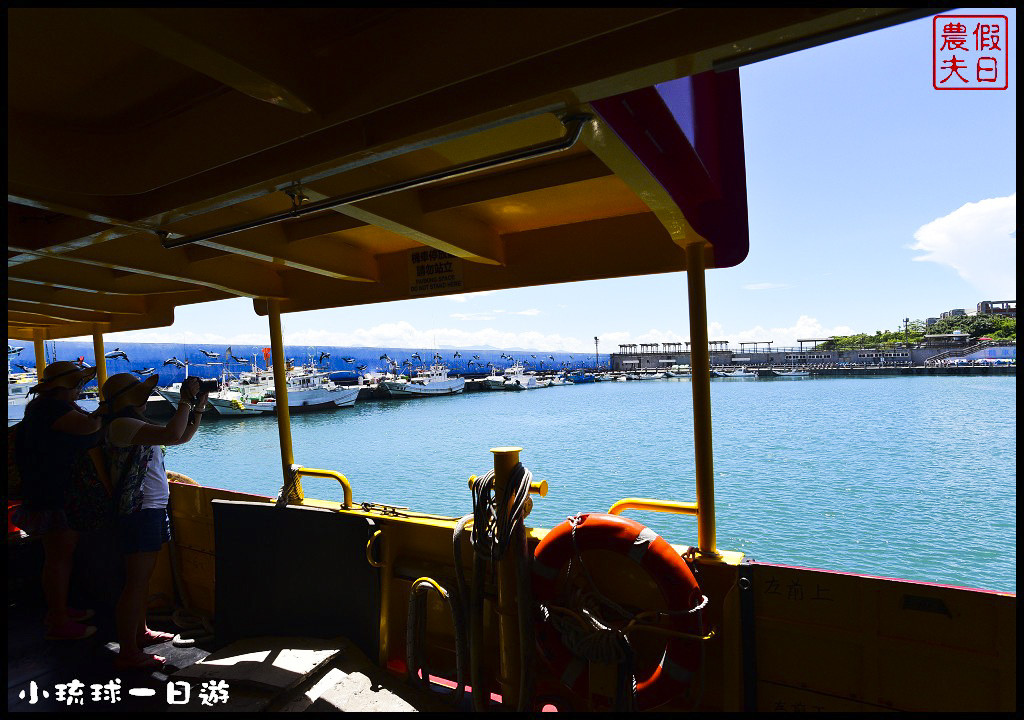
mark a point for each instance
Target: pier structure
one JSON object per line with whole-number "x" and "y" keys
{"x": 934, "y": 350}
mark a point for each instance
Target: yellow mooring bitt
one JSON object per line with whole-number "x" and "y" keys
{"x": 505, "y": 461}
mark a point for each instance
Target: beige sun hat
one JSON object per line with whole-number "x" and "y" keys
{"x": 63, "y": 373}
{"x": 124, "y": 389}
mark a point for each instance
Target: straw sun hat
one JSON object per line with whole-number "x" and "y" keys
{"x": 63, "y": 373}
{"x": 124, "y": 389}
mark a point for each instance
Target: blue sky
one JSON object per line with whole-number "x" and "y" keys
{"x": 872, "y": 197}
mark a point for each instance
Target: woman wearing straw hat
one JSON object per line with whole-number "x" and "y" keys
{"x": 53, "y": 435}
{"x": 137, "y": 468}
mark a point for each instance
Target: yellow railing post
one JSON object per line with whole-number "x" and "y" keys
{"x": 346, "y": 486}
{"x": 284, "y": 428}
{"x": 505, "y": 459}
{"x": 101, "y": 361}
{"x": 39, "y": 341}
{"x": 664, "y": 506}
{"x": 700, "y": 369}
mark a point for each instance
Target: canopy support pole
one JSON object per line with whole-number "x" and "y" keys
{"x": 284, "y": 428}
{"x": 101, "y": 360}
{"x": 700, "y": 384}
{"x": 39, "y": 341}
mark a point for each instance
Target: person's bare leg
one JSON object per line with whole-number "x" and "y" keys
{"x": 131, "y": 607}
{"x": 59, "y": 547}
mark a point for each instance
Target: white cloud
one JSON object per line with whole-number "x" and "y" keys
{"x": 181, "y": 337}
{"x": 468, "y": 296}
{"x": 803, "y": 329}
{"x": 473, "y": 316}
{"x": 531, "y": 311}
{"x": 404, "y": 334}
{"x": 978, "y": 240}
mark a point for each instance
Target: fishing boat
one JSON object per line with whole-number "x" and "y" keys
{"x": 255, "y": 393}
{"x": 319, "y": 158}
{"x": 791, "y": 373}
{"x": 428, "y": 382}
{"x": 306, "y": 389}
{"x": 580, "y": 377}
{"x": 17, "y": 395}
{"x": 18, "y": 386}
{"x": 496, "y": 380}
{"x": 733, "y": 374}
{"x": 516, "y": 378}
{"x": 227, "y": 401}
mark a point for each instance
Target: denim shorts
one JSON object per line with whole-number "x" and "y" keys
{"x": 144, "y": 531}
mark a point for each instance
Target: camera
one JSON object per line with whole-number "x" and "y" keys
{"x": 208, "y": 386}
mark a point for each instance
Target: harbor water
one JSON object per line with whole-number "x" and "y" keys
{"x": 907, "y": 477}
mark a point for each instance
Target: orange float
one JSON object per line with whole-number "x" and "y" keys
{"x": 565, "y": 544}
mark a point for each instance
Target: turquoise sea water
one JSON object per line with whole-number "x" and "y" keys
{"x": 906, "y": 477}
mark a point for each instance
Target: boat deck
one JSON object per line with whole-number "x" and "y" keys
{"x": 253, "y": 674}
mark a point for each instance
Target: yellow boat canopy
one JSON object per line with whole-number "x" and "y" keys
{"x": 324, "y": 158}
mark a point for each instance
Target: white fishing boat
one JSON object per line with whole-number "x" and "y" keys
{"x": 739, "y": 374}
{"x": 516, "y": 379}
{"x": 496, "y": 380}
{"x": 17, "y": 396}
{"x": 743, "y": 374}
{"x": 307, "y": 390}
{"x": 253, "y": 393}
{"x": 228, "y": 401}
{"x": 427, "y": 383}
{"x": 791, "y": 373}
{"x": 18, "y": 385}
{"x": 645, "y": 376}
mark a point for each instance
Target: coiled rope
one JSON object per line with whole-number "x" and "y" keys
{"x": 493, "y": 532}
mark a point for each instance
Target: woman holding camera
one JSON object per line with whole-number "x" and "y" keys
{"x": 137, "y": 467}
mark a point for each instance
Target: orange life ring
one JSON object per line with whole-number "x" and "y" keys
{"x": 597, "y": 531}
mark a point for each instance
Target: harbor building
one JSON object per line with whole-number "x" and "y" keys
{"x": 1005, "y": 308}
{"x": 950, "y": 348}
{"x": 933, "y": 349}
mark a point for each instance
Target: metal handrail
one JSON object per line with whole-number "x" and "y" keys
{"x": 314, "y": 472}
{"x": 665, "y": 506}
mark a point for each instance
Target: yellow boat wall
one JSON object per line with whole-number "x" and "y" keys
{"x": 828, "y": 641}
{"x": 785, "y": 638}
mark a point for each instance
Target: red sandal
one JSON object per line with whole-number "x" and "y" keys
{"x": 154, "y": 637}
{"x": 70, "y": 630}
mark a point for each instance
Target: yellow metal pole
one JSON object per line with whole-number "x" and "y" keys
{"x": 700, "y": 370}
{"x": 664, "y": 506}
{"x": 505, "y": 459}
{"x": 284, "y": 427}
{"x": 101, "y": 362}
{"x": 40, "y": 347}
